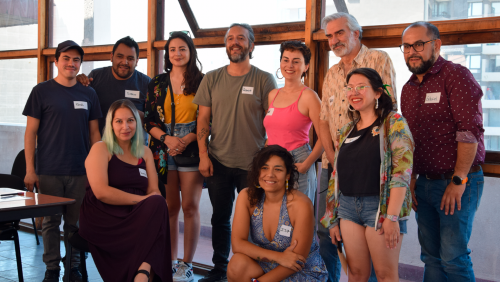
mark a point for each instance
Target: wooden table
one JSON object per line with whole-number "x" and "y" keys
{"x": 39, "y": 205}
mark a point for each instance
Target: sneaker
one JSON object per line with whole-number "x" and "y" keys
{"x": 214, "y": 276}
{"x": 175, "y": 266}
{"x": 184, "y": 273}
{"x": 51, "y": 276}
{"x": 74, "y": 275}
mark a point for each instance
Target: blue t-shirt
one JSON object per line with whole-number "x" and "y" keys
{"x": 63, "y": 134}
{"x": 109, "y": 89}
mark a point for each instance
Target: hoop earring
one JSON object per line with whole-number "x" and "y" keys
{"x": 349, "y": 108}
{"x": 277, "y": 73}
{"x": 257, "y": 186}
{"x": 286, "y": 185}
{"x": 376, "y": 105}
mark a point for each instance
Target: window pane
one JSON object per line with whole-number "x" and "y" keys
{"x": 371, "y": 12}
{"x": 18, "y": 24}
{"x": 89, "y": 22}
{"x": 17, "y": 79}
{"x": 223, "y": 13}
{"x": 174, "y": 18}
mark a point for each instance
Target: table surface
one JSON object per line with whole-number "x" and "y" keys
{"x": 36, "y": 201}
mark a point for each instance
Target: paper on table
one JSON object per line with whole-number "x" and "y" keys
{"x": 4, "y": 191}
{"x": 15, "y": 198}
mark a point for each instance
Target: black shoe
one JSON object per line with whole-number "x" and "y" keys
{"x": 74, "y": 275}
{"x": 214, "y": 276}
{"x": 51, "y": 276}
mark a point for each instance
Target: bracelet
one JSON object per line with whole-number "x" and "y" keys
{"x": 254, "y": 280}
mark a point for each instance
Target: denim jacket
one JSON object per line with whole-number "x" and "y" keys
{"x": 396, "y": 153}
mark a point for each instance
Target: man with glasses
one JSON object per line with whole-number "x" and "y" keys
{"x": 344, "y": 37}
{"x": 119, "y": 81}
{"x": 442, "y": 104}
{"x": 234, "y": 98}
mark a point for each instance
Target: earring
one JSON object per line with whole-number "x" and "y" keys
{"x": 376, "y": 105}
{"x": 286, "y": 185}
{"x": 350, "y": 108}
{"x": 277, "y": 73}
{"x": 257, "y": 186}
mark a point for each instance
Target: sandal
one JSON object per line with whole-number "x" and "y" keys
{"x": 143, "y": 272}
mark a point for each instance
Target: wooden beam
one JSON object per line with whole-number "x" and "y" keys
{"x": 323, "y": 66}
{"x": 97, "y": 49}
{"x": 106, "y": 56}
{"x": 340, "y": 6}
{"x": 492, "y": 157}
{"x": 257, "y": 29}
{"x": 313, "y": 18}
{"x": 190, "y": 17}
{"x": 152, "y": 54}
{"x": 491, "y": 170}
{"x": 18, "y": 54}
{"x": 43, "y": 39}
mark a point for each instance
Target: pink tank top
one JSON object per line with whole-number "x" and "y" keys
{"x": 287, "y": 127}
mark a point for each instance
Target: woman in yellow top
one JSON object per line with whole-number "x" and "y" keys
{"x": 185, "y": 77}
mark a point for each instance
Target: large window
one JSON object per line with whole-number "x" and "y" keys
{"x": 18, "y": 24}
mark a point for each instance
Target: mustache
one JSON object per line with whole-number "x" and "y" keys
{"x": 337, "y": 45}
{"x": 235, "y": 46}
{"x": 415, "y": 56}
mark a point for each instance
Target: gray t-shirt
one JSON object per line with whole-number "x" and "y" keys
{"x": 239, "y": 105}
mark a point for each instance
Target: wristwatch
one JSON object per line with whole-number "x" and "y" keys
{"x": 162, "y": 138}
{"x": 393, "y": 218}
{"x": 458, "y": 181}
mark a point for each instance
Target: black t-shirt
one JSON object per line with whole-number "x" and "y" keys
{"x": 358, "y": 164}
{"x": 109, "y": 89}
{"x": 63, "y": 133}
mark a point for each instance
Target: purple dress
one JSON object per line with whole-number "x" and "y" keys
{"x": 121, "y": 238}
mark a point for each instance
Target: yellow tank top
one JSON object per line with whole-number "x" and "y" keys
{"x": 185, "y": 109}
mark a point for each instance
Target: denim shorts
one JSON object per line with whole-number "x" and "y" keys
{"x": 362, "y": 211}
{"x": 181, "y": 130}
{"x": 307, "y": 182}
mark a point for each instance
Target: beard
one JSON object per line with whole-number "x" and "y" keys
{"x": 236, "y": 58}
{"x": 123, "y": 73}
{"x": 347, "y": 47}
{"x": 422, "y": 67}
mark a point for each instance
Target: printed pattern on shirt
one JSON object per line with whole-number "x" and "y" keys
{"x": 334, "y": 104}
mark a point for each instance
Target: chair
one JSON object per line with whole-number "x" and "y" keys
{"x": 8, "y": 229}
{"x": 19, "y": 170}
{"x": 77, "y": 242}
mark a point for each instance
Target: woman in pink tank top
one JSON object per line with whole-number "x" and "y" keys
{"x": 292, "y": 111}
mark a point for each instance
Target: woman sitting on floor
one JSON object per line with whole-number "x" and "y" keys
{"x": 284, "y": 246}
{"x": 123, "y": 216}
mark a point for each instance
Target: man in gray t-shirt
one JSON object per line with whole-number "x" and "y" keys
{"x": 235, "y": 97}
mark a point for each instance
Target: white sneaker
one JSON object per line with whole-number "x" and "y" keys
{"x": 175, "y": 267}
{"x": 184, "y": 273}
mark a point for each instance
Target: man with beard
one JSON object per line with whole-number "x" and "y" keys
{"x": 119, "y": 81}
{"x": 235, "y": 98}
{"x": 442, "y": 105}
{"x": 344, "y": 37}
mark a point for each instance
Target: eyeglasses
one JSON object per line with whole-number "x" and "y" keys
{"x": 361, "y": 89}
{"x": 183, "y": 31}
{"x": 417, "y": 46}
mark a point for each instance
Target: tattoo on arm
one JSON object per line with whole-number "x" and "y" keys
{"x": 264, "y": 259}
{"x": 202, "y": 134}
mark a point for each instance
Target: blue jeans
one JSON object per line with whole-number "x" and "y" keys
{"x": 221, "y": 187}
{"x": 327, "y": 250}
{"x": 444, "y": 238}
{"x": 307, "y": 181}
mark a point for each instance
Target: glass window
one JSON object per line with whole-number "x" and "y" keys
{"x": 475, "y": 10}
{"x": 223, "y": 13}
{"x": 17, "y": 79}
{"x": 495, "y": 9}
{"x": 97, "y": 22}
{"x": 18, "y": 24}
{"x": 174, "y": 18}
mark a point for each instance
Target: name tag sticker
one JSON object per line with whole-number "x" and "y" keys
{"x": 80, "y": 105}
{"x": 270, "y": 112}
{"x": 285, "y": 230}
{"x": 331, "y": 100}
{"x": 132, "y": 94}
{"x": 143, "y": 173}
{"x": 432, "y": 98}
{"x": 247, "y": 90}
{"x": 352, "y": 139}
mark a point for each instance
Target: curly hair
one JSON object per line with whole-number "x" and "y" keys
{"x": 261, "y": 157}
{"x": 295, "y": 45}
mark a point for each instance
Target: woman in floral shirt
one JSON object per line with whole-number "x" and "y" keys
{"x": 368, "y": 194}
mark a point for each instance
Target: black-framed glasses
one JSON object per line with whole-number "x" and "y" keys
{"x": 186, "y": 32}
{"x": 417, "y": 46}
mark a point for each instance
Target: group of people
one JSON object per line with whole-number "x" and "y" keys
{"x": 231, "y": 128}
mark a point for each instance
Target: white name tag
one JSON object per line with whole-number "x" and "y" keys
{"x": 143, "y": 173}
{"x": 270, "y": 112}
{"x": 331, "y": 100}
{"x": 80, "y": 105}
{"x": 247, "y": 90}
{"x": 432, "y": 98}
{"x": 285, "y": 230}
{"x": 132, "y": 94}
{"x": 350, "y": 140}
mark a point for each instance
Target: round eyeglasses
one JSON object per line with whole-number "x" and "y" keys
{"x": 361, "y": 89}
{"x": 417, "y": 46}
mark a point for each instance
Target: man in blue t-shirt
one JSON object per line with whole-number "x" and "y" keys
{"x": 63, "y": 114}
{"x": 120, "y": 81}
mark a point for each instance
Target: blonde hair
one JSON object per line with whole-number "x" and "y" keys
{"x": 109, "y": 138}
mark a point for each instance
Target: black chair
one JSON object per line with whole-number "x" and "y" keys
{"x": 77, "y": 242}
{"x": 19, "y": 170}
{"x": 8, "y": 229}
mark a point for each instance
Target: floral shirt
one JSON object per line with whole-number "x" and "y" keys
{"x": 396, "y": 152}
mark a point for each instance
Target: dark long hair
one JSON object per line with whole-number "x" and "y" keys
{"x": 384, "y": 102}
{"x": 261, "y": 157}
{"x": 193, "y": 75}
